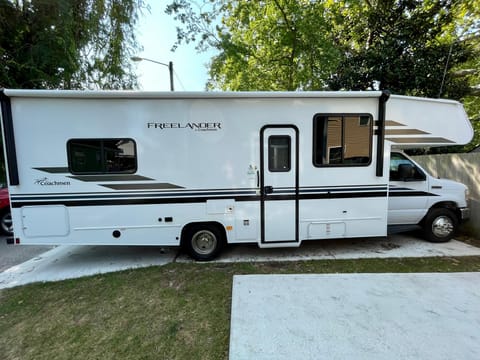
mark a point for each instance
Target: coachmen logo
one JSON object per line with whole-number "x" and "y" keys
{"x": 46, "y": 182}
{"x": 202, "y": 126}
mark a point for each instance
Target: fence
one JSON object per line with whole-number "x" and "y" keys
{"x": 464, "y": 168}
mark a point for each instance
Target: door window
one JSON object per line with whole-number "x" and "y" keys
{"x": 279, "y": 159}
{"x": 398, "y": 159}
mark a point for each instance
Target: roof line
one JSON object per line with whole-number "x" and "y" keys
{"x": 124, "y": 94}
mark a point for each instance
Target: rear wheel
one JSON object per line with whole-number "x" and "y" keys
{"x": 203, "y": 242}
{"x": 6, "y": 224}
{"x": 440, "y": 225}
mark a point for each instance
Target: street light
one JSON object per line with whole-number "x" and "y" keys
{"x": 169, "y": 65}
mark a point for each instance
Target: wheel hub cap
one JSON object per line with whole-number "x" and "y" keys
{"x": 204, "y": 242}
{"x": 442, "y": 226}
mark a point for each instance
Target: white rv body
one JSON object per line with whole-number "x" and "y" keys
{"x": 267, "y": 168}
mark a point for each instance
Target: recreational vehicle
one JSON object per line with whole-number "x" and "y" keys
{"x": 202, "y": 170}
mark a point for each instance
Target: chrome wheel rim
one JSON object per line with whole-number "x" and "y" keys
{"x": 442, "y": 226}
{"x": 204, "y": 242}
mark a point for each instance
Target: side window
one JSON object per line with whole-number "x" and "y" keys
{"x": 102, "y": 156}
{"x": 342, "y": 140}
{"x": 279, "y": 153}
{"x": 398, "y": 159}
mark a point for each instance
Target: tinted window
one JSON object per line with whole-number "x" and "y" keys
{"x": 398, "y": 159}
{"x": 342, "y": 140}
{"x": 102, "y": 156}
{"x": 279, "y": 153}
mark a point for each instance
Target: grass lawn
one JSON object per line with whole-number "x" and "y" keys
{"x": 178, "y": 311}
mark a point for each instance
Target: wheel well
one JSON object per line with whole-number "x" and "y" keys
{"x": 204, "y": 224}
{"x": 447, "y": 205}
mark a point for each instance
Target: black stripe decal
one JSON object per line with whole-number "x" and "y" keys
{"x": 53, "y": 170}
{"x": 207, "y": 193}
{"x": 190, "y": 199}
{"x": 383, "y": 188}
{"x": 113, "y": 196}
{"x": 353, "y": 195}
{"x": 239, "y": 191}
{"x": 149, "y": 186}
{"x": 105, "y": 178}
{"x": 411, "y": 193}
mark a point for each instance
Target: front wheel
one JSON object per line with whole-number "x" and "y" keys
{"x": 203, "y": 242}
{"x": 440, "y": 225}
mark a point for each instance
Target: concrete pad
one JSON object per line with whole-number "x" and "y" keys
{"x": 395, "y": 246}
{"x": 356, "y": 316}
{"x": 72, "y": 261}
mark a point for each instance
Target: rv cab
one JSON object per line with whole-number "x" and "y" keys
{"x": 416, "y": 199}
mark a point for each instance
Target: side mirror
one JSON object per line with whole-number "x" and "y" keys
{"x": 406, "y": 172}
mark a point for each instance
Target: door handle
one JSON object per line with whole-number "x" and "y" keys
{"x": 267, "y": 190}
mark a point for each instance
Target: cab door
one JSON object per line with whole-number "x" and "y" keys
{"x": 279, "y": 184}
{"x": 408, "y": 194}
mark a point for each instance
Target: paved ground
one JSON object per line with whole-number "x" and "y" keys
{"x": 65, "y": 262}
{"x": 70, "y": 261}
{"x": 399, "y": 245}
{"x": 14, "y": 255}
{"x": 356, "y": 316}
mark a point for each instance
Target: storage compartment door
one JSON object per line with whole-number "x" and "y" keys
{"x": 41, "y": 221}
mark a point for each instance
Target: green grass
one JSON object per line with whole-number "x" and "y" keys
{"x": 178, "y": 311}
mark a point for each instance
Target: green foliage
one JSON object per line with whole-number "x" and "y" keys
{"x": 263, "y": 45}
{"x": 406, "y": 46}
{"x": 68, "y": 44}
{"x": 411, "y": 47}
{"x": 276, "y": 45}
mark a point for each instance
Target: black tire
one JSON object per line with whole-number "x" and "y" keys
{"x": 203, "y": 242}
{"x": 440, "y": 225}
{"x": 6, "y": 225}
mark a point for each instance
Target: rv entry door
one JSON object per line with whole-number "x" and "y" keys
{"x": 279, "y": 184}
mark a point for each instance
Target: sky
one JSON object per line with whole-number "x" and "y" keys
{"x": 157, "y": 34}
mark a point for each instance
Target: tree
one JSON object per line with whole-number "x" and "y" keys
{"x": 68, "y": 44}
{"x": 406, "y": 46}
{"x": 276, "y": 45}
{"x": 471, "y": 73}
{"x": 263, "y": 45}
{"x": 412, "y": 47}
